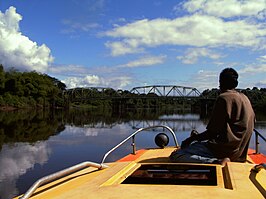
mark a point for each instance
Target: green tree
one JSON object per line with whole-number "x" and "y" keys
{"x": 29, "y": 88}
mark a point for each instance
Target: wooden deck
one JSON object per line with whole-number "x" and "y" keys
{"x": 233, "y": 181}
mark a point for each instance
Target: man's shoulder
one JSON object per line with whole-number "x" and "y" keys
{"x": 229, "y": 94}
{"x": 233, "y": 95}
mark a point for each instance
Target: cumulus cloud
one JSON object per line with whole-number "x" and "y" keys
{"x": 123, "y": 48}
{"x": 195, "y": 30}
{"x": 115, "y": 81}
{"x": 193, "y": 54}
{"x": 86, "y": 81}
{"x": 227, "y": 8}
{"x": 17, "y": 50}
{"x": 80, "y": 76}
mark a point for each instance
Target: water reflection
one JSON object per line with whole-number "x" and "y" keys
{"x": 28, "y": 126}
{"x": 16, "y": 160}
{"x": 35, "y": 144}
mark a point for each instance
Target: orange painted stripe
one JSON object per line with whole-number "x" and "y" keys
{"x": 132, "y": 157}
{"x": 257, "y": 158}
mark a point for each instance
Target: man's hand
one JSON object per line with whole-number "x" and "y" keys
{"x": 186, "y": 142}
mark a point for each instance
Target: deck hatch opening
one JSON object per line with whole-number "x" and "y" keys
{"x": 173, "y": 174}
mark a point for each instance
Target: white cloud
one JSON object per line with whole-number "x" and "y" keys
{"x": 193, "y": 54}
{"x": 17, "y": 50}
{"x": 262, "y": 58}
{"x": 207, "y": 79}
{"x": 196, "y": 30}
{"x": 79, "y": 76}
{"x": 251, "y": 75}
{"x": 86, "y": 81}
{"x": 253, "y": 69}
{"x": 75, "y": 75}
{"x": 227, "y": 8}
{"x": 145, "y": 61}
{"x": 92, "y": 79}
{"x": 123, "y": 48}
{"x": 97, "y": 81}
{"x": 119, "y": 82}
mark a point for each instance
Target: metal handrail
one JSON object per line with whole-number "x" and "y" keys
{"x": 133, "y": 138}
{"x": 60, "y": 174}
{"x": 257, "y": 135}
{"x": 258, "y": 167}
{"x": 70, "y": 170}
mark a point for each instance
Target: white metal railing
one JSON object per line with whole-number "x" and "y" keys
{"x": 133, "y": 139}
{"x": 86, "y": 164}
{"x": 257, "y": 135}
{"x": 60, "y": 174}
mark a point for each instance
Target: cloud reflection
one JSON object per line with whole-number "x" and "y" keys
{"x": 90, "y": 131}
{"x": 15, "y": 160}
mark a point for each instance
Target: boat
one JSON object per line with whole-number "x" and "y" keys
{"x": 148, "y": 173}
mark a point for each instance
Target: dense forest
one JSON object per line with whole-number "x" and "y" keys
{"x": 29, "y": 89}
{"x": 36, "y": 90}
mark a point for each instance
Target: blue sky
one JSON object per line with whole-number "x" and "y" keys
{"x": 123, "y": 44}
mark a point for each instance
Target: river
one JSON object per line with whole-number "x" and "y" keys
{"x": 37, "y": 143}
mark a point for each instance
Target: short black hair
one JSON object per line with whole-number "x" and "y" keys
{"x": 228, "y": 78}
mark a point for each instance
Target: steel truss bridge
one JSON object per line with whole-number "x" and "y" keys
{"x": 154, "y": 91}
{"x": 167, "y": 91}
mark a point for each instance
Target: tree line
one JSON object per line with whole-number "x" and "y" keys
{"x": 33, "y": 89}
{"x": 29, "y": 89}
{"x": 256, "y": 96}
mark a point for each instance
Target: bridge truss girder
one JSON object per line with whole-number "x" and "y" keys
{"x": 170, "y": 91}
{"x": 167, "y": 91}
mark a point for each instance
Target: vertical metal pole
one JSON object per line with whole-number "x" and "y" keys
{"x": 256, "y": 142}
{"x": 133, "y": 145}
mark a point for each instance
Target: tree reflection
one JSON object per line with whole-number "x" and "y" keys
{"x": 35, "y": 125}
{"x": 28, "y": 126}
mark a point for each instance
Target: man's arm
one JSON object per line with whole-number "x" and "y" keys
{"x": 196, "y": 137}
{"x": 216, "y": 123}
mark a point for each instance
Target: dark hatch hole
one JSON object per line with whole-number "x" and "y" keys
{"x": 173, "y": 174}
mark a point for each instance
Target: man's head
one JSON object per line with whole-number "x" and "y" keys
{"x": 228, "y": 79}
